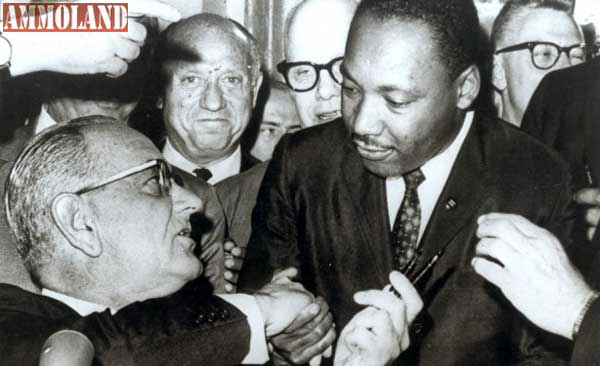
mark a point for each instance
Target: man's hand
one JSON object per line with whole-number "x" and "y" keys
{"x": 590, "y": 197}
{"x": 378, "y": 334}
{"x": 281, "y": 300}
{"x": 309, "y": 336}
{"x": 234, "y": 258}
{"x": 535, "y": 273}
{"x": 71, "y": 53}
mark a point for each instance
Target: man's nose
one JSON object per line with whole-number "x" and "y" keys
{"x": 327, "y": 88}
{"x": 212, "y": 97}
{"x": 185, "y": 201}
{"x": 366, "y": 120}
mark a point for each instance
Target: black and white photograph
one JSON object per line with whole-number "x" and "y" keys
{"x": 300, "y": 182}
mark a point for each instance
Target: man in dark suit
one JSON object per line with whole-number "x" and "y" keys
{"x": 403, "y": 178}
{"x": 101, "y": 225}
{"x": 211, "y": 74}
{"x": 564, "y": 113}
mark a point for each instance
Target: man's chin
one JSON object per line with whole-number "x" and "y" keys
{"x": 382, "y": 169}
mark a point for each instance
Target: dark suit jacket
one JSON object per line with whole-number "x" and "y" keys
{"x": 587, "y": 350}
{"x": 319, "y": 209}
{"x": 564, "y": 113}
{"x": 238, "y": 198}
{"x": 189, "y": 327}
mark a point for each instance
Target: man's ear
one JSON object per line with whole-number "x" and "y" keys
{"x": 77, "y": 224}
{"x": 498, "y": 74}
{"x": 256, "y": 88}
{"x": 468, "y": 84}
{"x": 159, "y": 102}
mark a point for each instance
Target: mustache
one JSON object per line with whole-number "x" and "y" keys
{"x": 370, "y": 141}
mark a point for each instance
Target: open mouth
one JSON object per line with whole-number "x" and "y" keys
{"x": 329, "y": 116}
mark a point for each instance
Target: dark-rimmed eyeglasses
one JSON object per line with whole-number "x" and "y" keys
{"x": 164, "y": 177}
{"x": 544, "y": 55}
{"x": 303, "y": 76}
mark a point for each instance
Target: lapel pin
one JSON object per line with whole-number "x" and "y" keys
{"x": 450, "y": 204}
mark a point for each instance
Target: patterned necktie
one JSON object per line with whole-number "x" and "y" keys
{"x": 405, "y": 232}
{"x": 203, "y": 174}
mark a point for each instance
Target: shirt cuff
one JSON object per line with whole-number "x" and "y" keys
{"x": 258, "y": 353}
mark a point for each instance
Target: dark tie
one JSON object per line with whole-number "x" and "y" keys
{"x": 405, "y": 232}
{"x": 203, "y": 174}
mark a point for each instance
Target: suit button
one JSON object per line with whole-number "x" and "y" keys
{"x": 224, "y": 314}
{"x": 211, "y": 317}
{"x": 200, "y": 319}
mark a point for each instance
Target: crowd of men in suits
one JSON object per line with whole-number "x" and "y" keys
{"x": 437, "y": 206}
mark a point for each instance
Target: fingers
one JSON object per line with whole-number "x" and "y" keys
{"x": 387, "y": 301}
{"x": 318, "y": 348}
{"x": 311, "y": 316}
{"x": 285, "y": 275}
{"x": 115, "y": 67}
{"x": 491, "y": 271}
{"x": 409, "y": 294}
{"x": 588, "y": 196}
{"x": 499, "y": 250}
{"x": 136, "y": 32}
{"x": 153, "y": 8}
{"x": 592, "y": 216}
{"x": 126, "y": 50}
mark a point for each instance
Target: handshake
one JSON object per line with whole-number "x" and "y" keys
{"x": 300, "y": 327}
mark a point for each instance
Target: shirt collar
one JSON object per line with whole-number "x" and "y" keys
{"x": 44, "y": 120}
{"x": 82, "y": 307}
{"x": 220, "y": 170}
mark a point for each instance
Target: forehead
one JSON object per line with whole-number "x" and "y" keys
{"x": 123, "y": 148}
{"x": 280, "y": 106}
{"x": 547, "y": 25}
{"x": 214, "y": 49}
{"x": 317, "y": 36}
{"x": 408, "y": 57}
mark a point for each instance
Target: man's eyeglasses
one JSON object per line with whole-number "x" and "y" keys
{"x": 164, "y": 177}
{"x": 303, "y": 76}
{"x": 544, "y": 55}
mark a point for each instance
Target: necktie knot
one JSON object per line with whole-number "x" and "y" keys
{"x": 203, "y": 174}
{"x": 413, "y": 179}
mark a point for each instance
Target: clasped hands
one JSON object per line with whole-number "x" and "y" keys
{"x": 300, "y": 327}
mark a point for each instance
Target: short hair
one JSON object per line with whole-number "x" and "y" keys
{"x": 454, "y": 25}
{"x": 514, "y": 10}
{"x": 173, "y": 45}
{"x": 58, "y": 160}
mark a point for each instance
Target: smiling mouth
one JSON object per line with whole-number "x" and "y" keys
{"x": 329, "y": 116}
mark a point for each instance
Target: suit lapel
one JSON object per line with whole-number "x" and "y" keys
{"x": 463, "y": 197}
{"x": 368, "y": 200}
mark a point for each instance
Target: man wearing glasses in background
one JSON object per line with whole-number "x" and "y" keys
{"x": 314, "y": 48}
{"x": 531, "y": 38}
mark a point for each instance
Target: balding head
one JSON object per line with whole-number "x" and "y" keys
{"x": 97, "y": 217}
{"x": 181, "y": 39}
{"x": 316, "y": 32}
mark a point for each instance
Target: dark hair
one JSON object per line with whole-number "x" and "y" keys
{"x": 55, "y": 161}
{"x": 514, "y": 10}
{"x": 454, "y": 25}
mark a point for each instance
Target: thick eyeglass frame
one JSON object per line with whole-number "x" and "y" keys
{"x": 531, "y": 45}
{"x": 164, "y": 177}
{"x": 284, "y": 68}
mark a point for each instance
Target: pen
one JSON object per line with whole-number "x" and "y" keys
{"x": 416, "y": 278}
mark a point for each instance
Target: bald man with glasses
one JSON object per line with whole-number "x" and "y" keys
{"x": 531, "y": 38}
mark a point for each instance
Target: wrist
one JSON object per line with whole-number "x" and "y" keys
{"x": 589, "y": 300}
{"x": 263, "y": 305}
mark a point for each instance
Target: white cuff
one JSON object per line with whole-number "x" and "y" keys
{"x": 258, "y": 353}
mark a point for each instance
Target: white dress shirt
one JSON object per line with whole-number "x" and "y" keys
{"x": 220, "y": 170}
{"x": 258, "y": 353}
{"x": 43, "y": 120}
{"x": 436, "y": 172}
